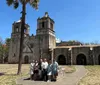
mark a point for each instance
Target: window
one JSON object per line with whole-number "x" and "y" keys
{"x": 16, "y": 28}
{"x": 51, "y": 25}
{"x": 42, "y": 24}
{"x": 24, "y": 30}
{"x": 14, "y": 55}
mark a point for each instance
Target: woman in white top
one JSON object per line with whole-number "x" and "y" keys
{"x": 31, "y": 69}
{"x": 44, "y": 67}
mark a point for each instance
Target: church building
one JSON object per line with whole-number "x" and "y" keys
{"x": 43, "y": 45}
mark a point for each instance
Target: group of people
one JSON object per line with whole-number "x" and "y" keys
{"x": 44, "y": 70}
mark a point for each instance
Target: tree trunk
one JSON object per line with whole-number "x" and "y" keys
{"x": 2, "y": 55}
{"x": 3, "y": 59}
{"x": 22, "y": 37}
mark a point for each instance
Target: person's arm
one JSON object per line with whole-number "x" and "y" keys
{"x": 57, "y": 67}
{"x": 42, "y": 65}
{"x": 47, "y": 64}
{"x": 31, "y": 67}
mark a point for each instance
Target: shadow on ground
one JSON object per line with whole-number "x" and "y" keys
{"x": 2, "y": 74}
{"x": 27, "y": 79}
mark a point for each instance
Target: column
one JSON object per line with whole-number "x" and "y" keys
{"x": 52, "y": 55}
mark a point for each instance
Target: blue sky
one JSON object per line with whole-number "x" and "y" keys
{"x": 74, "y": 19}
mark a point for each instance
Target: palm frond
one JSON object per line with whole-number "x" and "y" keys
{"x": 26, "y": 1}
{"x": 34, "y": 3}
{"x": 16, "y": 4}
{"x": 9, "y": 2}
{"x": 21, "y": 1}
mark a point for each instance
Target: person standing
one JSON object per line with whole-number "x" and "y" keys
{"x": 40, "y": 69}
{"x": 36, "y": 71}
{"x": 44, "y": 67}
{"x": 54, "y": 70}
{"x": 49, "y": 70}
{"x": 31, "y": 69}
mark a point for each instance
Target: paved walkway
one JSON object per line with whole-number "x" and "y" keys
{"x": 73, "y": 78}
{"x": 66, "y": 79}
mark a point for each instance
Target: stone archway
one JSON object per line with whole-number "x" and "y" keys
{"x": 61, "y": 60}
{"x": 81, "y": 59}
{"x": 26, "y": 59}
{"x": 99, "y": 59}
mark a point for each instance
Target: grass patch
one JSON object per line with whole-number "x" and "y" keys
{"x": 69, "y": 68}
{"x": 92, "y": 77}
{"x": 10, "y": 70}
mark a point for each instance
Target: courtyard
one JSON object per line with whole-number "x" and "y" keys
{"x": 8, "y": 73}
{"x": 81, "y": 75}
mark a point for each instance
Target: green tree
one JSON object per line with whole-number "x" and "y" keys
{"x": 15, "y": 3}
{"x": 3, "y": 51}
{"x": 7, "y": 42}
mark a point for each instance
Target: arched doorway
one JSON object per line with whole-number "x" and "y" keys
{"x": 99, "y": 59}
{"x": 26, "y": 59}
{"x": 81, "y": 59}
{"x": 61, "y": 60}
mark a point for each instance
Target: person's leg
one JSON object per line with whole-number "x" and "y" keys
{"x": 31, "y": 77}
{"x": 40, "y": 74}
{"x": 34, "y": 77}
{"x": 49, "y": 78}
{"x": 43, "y": 74}
{"x": 37, "y": 74}
{"x": 46, "y": 76}
{"x": 54, "y": 76}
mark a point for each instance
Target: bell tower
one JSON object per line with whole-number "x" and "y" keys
{"x": 15, "y": 41}
{"x": 45, "y": 34}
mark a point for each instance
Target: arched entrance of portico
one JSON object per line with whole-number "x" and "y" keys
{"x": 99, "y": 59}
{"x": 61, "y": 60}
{"x": 81, "y": 59}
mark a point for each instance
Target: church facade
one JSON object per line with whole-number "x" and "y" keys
{"x": 43, "y": 45}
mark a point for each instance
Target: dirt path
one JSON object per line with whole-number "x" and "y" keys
{"x": 66, "y": 79}
{"x": 73, "y": 78}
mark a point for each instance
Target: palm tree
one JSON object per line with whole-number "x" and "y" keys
{"x": 15, "y": 3}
